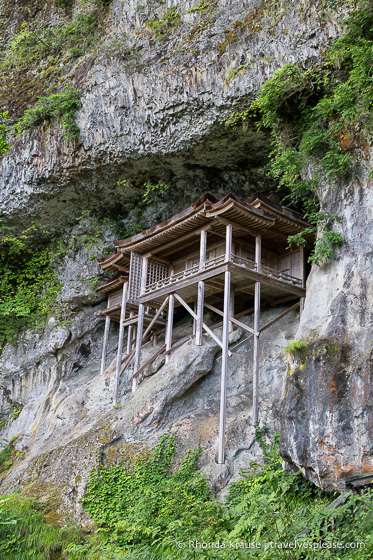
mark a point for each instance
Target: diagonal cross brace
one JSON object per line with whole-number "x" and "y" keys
{"x": 205, "y": 327}
{"x": 232, "y": 319}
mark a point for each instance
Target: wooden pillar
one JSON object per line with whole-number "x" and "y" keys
{"x": 229, "y": 250}
{"x": 224, "y": 368}
{"x": 224, "y": 358}
{"x": 140, "y": 324}
{"x": 201, "y": 289}
{"x": 258, "y": 257}
{"x": 120, "y": 341}
{"x": 228, "y": 243}
{"x": 194, "y": 321}
{"x": 231, "y": 309}
{"x": 170, "y": 321}
{"x": 302, "y": 274}
{"x": 105, "y": 344}
{"x": 130, "y": 336}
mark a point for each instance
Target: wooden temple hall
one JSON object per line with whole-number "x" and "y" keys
{"x": 216, "y": 255}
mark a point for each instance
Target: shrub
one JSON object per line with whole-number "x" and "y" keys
{"x": 24, "y": 532}
{"x": 148, "y": 500}
{"x": 62, "y": 105}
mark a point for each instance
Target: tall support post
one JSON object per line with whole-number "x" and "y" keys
{"x": 130, "y": 336}
{"x": 231, "y": 309}
{"x": 106, "y": 340}
{"x": 224, "y": 359}
{"x": 302, "y": 274}
{"x": 194, "y": 321}
{"x": 228, "y": 243}
{"x": 258, "y": 258}
{"x": 201, "y": 288}
{"x": 170, "y": 321}
{"x": 120, "y": 341}
{"x": 140, "y": 325}
{"x": 224, "y": 369}
{"x": 231, "y": 301}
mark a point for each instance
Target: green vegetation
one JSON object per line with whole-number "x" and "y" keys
{"x": 319, "y": 118}
{"x": 4, "y": 131}
{"x": 146, "y": 500}
{"x": 296, "y": 344}
{"x": 33, "y": 66}
{"x": 153, "y": 191}
{"x": 16, "y": 409}
{"x": 71, "y": 40}
{"x": 63, "y": 106}
{"x": 7, "y": 454}
{"x": 25, "y": 534}
{"x": 162, "y": 27}
{"x": 152, "y": 507}
{"x": 147, "y": 505}
{"x": 29, "y": 282}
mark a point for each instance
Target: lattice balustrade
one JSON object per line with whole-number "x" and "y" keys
{"x": 157, "y": 271}
{"x": 135, "y": 278}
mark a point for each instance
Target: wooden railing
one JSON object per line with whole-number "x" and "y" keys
{"x": 240, "y": 261}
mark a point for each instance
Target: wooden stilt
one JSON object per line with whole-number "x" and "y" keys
{"x": 130, "y": 336}
{"x": 225, "y": 351}
{"x": 105, "y": 344}
{"x": 201, "y": 289}
{"x": 258, "y": 256}
{"x": 170, "y": 320}
{"x": 140, "y": 325}
{"x": 224, "y": 369}
{"x": 120, "y": 341}
{"x": 231, "y": 309}
{"x": 194, "y": 321}
{"x": 302, "y": 274}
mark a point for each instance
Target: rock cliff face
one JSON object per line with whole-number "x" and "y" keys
{"x": 327, "y": 414}
{"x": 160, "y": 119}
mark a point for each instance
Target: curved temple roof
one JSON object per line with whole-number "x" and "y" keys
{"x": 256, "y": 216}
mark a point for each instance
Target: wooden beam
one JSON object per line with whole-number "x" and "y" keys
{"x": 266, "y": 326}
{"x": 121, "y": 268}
{"x": 170, "y": 320}
{"x": 241, "y": 314}
{"x": 194, "y": 320}
{"x": 235, "y": 224}
{"x": 258, "y": 260}
{"x": 224, "y": 367}
{"x": 155, "y": 318}
{"x": 232, "y": 319}
{"x": 228, "y": 243}
{"x": 120, "y": 342}
{"x": 150, "y": 361}
{"x": 201, "y": 288}
{"x": 156, "y": 258}
{"x": 302, "y": 273}
{"x": 263, "y": 279}
{"x": 140, "y": 324}
{"x": 231, "y": 309}
{"x": 105, "y": 344}
{"x": 283, "y": 314}
{"x": 178, "y": 240}
{"x": 215, "y": 284}
{"x": 206, "y": 328}
{"x": 130, "y": 334}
